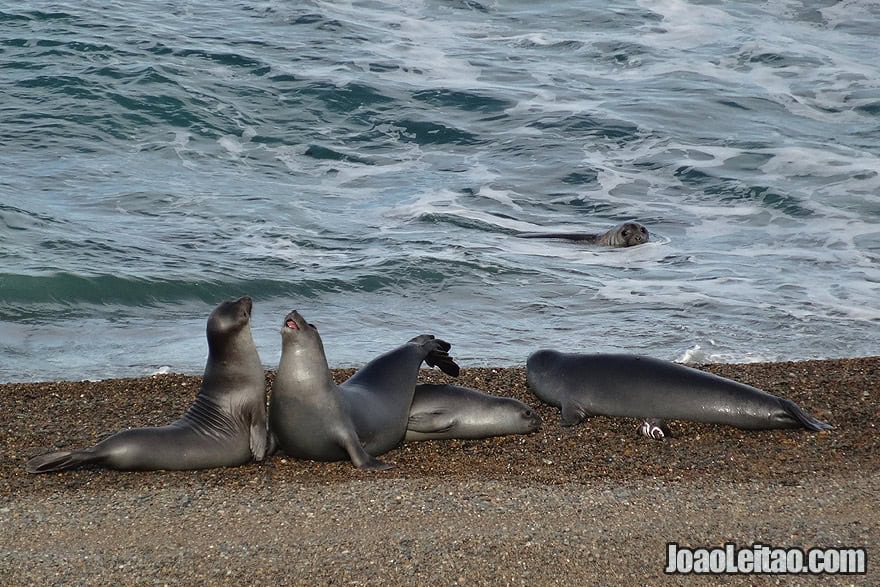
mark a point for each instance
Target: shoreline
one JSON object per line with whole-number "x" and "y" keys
{"x": 593, "y": 503}
{"x": 836, "y": 363}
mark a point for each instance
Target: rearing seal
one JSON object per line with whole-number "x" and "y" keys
{"x": 225, "y": 425}
{"x": 642, "y": 387}
{"x": 310, "y": 417}
{"x": 627, "y": 234}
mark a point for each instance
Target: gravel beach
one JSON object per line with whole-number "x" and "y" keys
{"x": 595, "y": 504}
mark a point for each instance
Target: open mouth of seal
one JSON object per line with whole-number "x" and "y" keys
{"x": 292, "y": 321}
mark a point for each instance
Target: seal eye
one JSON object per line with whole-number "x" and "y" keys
{"x": 312, "y": 326}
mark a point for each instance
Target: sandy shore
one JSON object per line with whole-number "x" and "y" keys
{"x": 594, "y": 504}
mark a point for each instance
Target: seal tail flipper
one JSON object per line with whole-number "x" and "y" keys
{"x": 58, "y": 461}
{"x": 438, "y": 356}
{"x": 802, "y": 417}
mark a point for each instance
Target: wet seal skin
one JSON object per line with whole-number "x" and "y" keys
{"x": 311, "y": 417}
{"x": 451, "y": 411}
{"x": 628, "y": 234}
{"x": 635, "y": 386}
{"x": 225, "y": 426}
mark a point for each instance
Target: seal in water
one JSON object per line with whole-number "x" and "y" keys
{"x": 225, "y": 426}
{"x": 451, "y": 411}
{"x": 311, "y": 417}
{"x": 627, "y": 234}
{"x": 642, "y": 387}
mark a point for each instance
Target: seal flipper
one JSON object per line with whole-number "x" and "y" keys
{"x": 802, "y": 417}
{"x": 59, "y": 461}
{"x": 362, "y": 459}
{"x": 430, "y": 421}
{"x": 572, "y": 414}
{"x": 438, "y": 356}
{"x": 375, "y": 464}
{"x": 271, "y": 443}
{"x": 259, "y": 441}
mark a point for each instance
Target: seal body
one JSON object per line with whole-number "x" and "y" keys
{"x": 451, "y": 411}
{"x": 627, "y": 234}
{"x": 584, "y": 385}
{"x": 311, "y": 417}
{"x": 225, "y": 425}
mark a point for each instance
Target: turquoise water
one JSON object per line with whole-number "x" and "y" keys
{"x": 369, "y": 163}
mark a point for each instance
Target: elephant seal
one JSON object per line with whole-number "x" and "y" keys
{"x": 627, "y": 234}
{"x": 642, "y": 387}
{"x": 225, "y": 425}
{"x": 311, "y": 417}
{"x": 451, "y": 411}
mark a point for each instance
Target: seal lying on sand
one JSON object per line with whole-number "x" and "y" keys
{"x": 310, "y": 417}
{"x": 451, "y": 411}
{"x": 642, "y": 387}
{"x": 225, "y": 426}
{"x": 627, "y": 234}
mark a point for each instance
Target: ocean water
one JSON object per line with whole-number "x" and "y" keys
{"x": 370, "y": 163}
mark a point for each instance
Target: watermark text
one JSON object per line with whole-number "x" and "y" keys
{"x": 762, "y": 559}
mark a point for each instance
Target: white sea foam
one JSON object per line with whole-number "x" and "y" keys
{"x": 232, "y": 145}
{"x": 448, "y": 203}
{"x": 697, "y": 355}
{"x": 686, "y": 25}
{"x": 857, "y": 171}
{"x": 279, "y": 154}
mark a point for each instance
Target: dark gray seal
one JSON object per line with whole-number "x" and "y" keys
{"x": 310, "y": 417}
{"x": 627, "y": 234}
{"x": 225, "y": 426}
{"x": 642, "y": 387}
{"x": 451, "y": 411}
